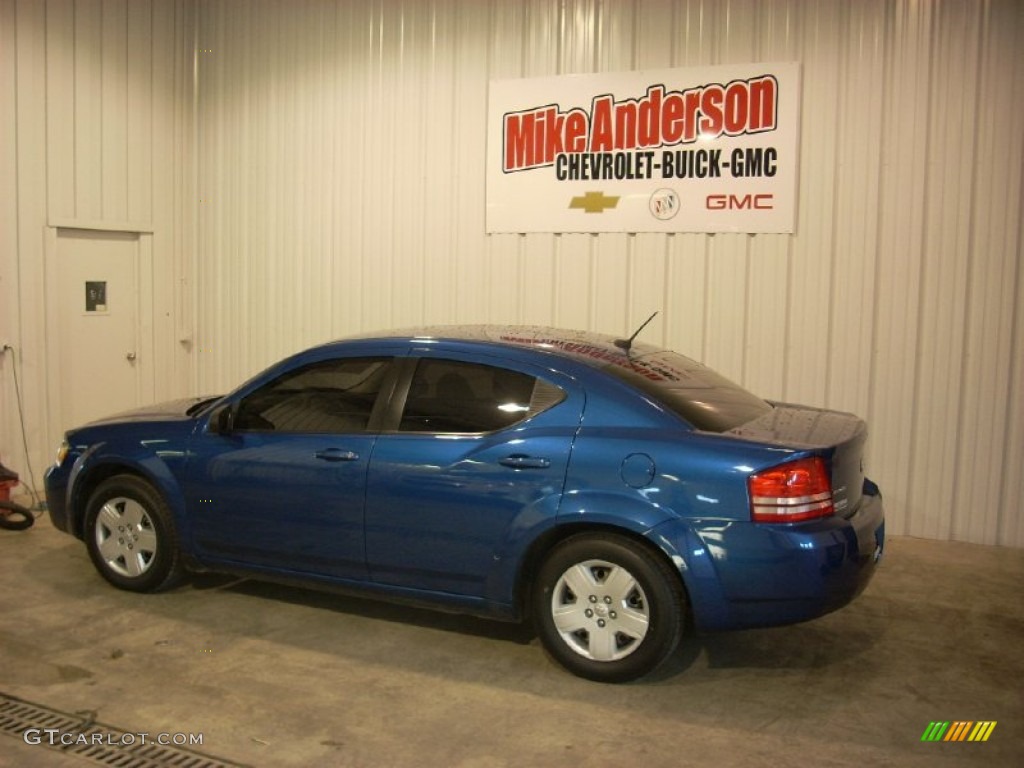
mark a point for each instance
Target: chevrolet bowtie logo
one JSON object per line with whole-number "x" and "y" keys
{"x": 594, "y": 202}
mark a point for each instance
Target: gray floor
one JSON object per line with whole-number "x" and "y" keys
{"x": 275, "y": 676}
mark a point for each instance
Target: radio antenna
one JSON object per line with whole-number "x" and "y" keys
{"x": 626, "y": 344}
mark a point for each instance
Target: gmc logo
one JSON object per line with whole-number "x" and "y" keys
{"x": 745, "y": 203}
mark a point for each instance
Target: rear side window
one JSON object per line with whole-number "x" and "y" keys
{"x": 457, "y": 397}
{"x": 334, "y": 396}
{"x": 705, "y": 399}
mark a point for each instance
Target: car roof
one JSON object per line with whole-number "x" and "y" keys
{"x": 594, "y": 349}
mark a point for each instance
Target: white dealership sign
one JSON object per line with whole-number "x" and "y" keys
{"x": 710, "y": 149}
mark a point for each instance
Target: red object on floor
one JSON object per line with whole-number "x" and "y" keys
{"x": 8, "y": 479}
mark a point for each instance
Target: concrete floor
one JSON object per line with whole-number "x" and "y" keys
{"x": 272, "y": 676}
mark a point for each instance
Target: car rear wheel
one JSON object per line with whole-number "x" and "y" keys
{"x": 130, "y": 535}
{"x": 608, "y": 609}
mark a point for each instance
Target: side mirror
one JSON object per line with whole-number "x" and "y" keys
{"x": 222, "y": 420}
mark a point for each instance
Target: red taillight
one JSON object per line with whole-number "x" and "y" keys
{"x": 791, "y": 492}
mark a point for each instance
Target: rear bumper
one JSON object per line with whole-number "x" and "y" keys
{"x": 766, "y": 575}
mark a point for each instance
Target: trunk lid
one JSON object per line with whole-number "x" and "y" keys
{"x": 837, "y": 436}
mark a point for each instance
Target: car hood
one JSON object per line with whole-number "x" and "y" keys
{"x": 169, "y": 410}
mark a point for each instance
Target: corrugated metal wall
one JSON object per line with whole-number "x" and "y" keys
{"x": 341, "y": 172}
{"x": 340, "y": 149}
{"x": 96, "y": 125}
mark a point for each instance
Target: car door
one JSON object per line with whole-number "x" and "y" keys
{"x": 480, "y": 449}
{"x": 282, "y": 483}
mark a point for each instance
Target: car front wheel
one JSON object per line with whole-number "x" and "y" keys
{"x": 608, "y": 609}
{"x": 130, "y": 535}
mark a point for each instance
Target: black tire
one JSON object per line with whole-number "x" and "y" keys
{"x": 130, "y": 534}
{"x": 629, "y": 617}
{"x": 14, "y": 517}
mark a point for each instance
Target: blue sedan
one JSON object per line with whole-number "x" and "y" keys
{"x": 614, "y": 493}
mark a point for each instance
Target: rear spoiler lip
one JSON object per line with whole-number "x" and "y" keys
{"x": 801, "y": 427}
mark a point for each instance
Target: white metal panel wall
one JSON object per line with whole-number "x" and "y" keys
{"x": 342, "y": 186}
{"x": 96, "y": 127}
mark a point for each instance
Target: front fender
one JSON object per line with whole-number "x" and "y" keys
{"x": 103, "y": 460}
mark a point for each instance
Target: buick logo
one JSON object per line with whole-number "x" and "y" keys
{"x": 664, "y": 204}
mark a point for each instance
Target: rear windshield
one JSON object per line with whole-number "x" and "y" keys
{"x": 705, "y": 399}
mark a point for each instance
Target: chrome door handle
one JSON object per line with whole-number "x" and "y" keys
{"x": 518, "y": 461}
{"x": 336, "y": 454}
